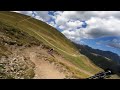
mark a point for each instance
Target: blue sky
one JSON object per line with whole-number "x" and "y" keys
{"x": 102, "y": 44}
{"x": 98, "y": 29}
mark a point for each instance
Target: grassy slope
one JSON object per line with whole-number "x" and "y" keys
{"x": 56, "y": 40}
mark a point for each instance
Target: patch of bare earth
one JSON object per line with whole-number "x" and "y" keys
{"x": 45, "y": 65}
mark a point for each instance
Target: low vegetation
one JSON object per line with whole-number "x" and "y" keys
{"x": 33, "y": 32}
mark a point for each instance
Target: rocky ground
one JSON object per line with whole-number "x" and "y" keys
{"x": 33, "y": 62}
{"x": 16, "y": 66}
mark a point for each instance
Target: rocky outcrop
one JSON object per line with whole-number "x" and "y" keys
{"x": 16, "y": 67}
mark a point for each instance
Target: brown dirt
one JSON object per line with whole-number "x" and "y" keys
{"x": 47, "y": 66}
{"x": 43, "y": 68}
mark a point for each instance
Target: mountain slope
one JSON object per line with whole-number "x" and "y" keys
{"x": 100, "y": 58}
{"x": 22, "y": 36}
{"x": 107, "y": 54}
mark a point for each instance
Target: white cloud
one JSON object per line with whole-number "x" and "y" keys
{"x": 74, "y": 24}
{"x": 114, "y": 43}
{"x": 100, "y": 23}
{"x": 102, "y": 27}
{"x": 41, "y": 15}
{"x": 44, "y": 15}
{"x": 52, "y": 24}
{"x": 60, "y": 20}
{"x": 39, "y": 18}
{"x": 63, "y": 27}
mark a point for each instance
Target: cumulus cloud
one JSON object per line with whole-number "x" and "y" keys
{"x": 102, "y": 27}
{"x": 63, "y": 27}
{"x": 60, "y": 20}
{"x": 52, "y": 24}
{"x": 85, "y": 15}
{"x": 41, "y": 15}
{"x": 74, "y": 24}
{"x": 115, "y": 43}
{"x": 99, "y": 23}
{"x": 44, "y": 15}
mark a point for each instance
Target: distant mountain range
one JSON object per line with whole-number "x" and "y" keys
{"x": 103, "y": 59}
{"x": 106, "y": 54}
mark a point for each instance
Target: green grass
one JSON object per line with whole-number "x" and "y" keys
{"x": 36, "y": 29}
{"x": 100, "y": 61}
{"x": 76, "y": 72}
{"x": 41, "y": 28}
{"x": 79, "y": 62}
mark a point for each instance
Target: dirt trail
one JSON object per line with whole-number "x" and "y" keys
{"x": 46, "y": 70}
{"x": 43, "y": 69}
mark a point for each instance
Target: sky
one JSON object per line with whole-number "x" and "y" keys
{"x": 97, "y": 29}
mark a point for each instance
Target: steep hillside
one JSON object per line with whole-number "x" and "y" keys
{"x": 107, "y": 54}
{"x": 24, "y": 46}
{"x": 104, "y": 60}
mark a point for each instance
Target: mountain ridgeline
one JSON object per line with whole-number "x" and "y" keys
{"x": 107, "y": 54}
{"x": 103, "y": 59}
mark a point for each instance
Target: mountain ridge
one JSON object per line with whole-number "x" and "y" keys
{"x": 108, "y": 54}
{"x": 100, "y": 60}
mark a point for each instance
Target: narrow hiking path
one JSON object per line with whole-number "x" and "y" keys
{"x": 46, "y": 70}
{"x": 43, "y": 68}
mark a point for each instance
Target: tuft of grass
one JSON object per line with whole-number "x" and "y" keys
{"x": 29, "y": 73}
